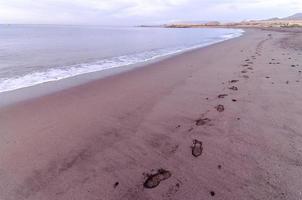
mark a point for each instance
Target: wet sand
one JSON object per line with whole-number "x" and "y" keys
{"x": 222, "y": 122}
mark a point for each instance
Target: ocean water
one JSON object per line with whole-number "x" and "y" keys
{"x": 35, "y": 54}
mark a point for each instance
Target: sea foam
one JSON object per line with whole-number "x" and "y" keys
{"x": 63, "y": 72}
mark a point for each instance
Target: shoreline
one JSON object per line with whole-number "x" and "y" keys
{"x": 219, "y": 122}
{"x": 9, "y": 98}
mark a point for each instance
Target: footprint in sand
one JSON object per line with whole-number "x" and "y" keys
{"x": 220, "y": 108}
{"x": 221, "y": 96}
{"x": 245, "y": 76}
{"x": 197, "y": 148}
{"x": 243, "y": 71}
{"x": 154, "y": 180}
{"x": 233, "y": 88}
{"x": 202, "y": 121}
{"x": 234, "y": 81}
{"x": 116, "y": 184}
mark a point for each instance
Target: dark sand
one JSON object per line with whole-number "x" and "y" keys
{"x": 159, "y": 132}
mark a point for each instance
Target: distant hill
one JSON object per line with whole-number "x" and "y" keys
{"x": 293, "y": 21}
{"x": 272, "y": 19}
{"x": 297, "y": 16}
{"x": 189, "y": 22}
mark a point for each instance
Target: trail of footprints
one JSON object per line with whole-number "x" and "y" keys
{"x": 287, "y": 56}
{"x": 154, "y": 179}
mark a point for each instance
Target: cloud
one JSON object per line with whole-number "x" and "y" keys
{"x": 140, "y": 11}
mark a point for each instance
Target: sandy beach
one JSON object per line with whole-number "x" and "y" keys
{"x": 221, "y": 122}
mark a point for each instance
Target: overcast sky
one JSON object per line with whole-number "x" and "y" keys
{"x": 135, "y": 12}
